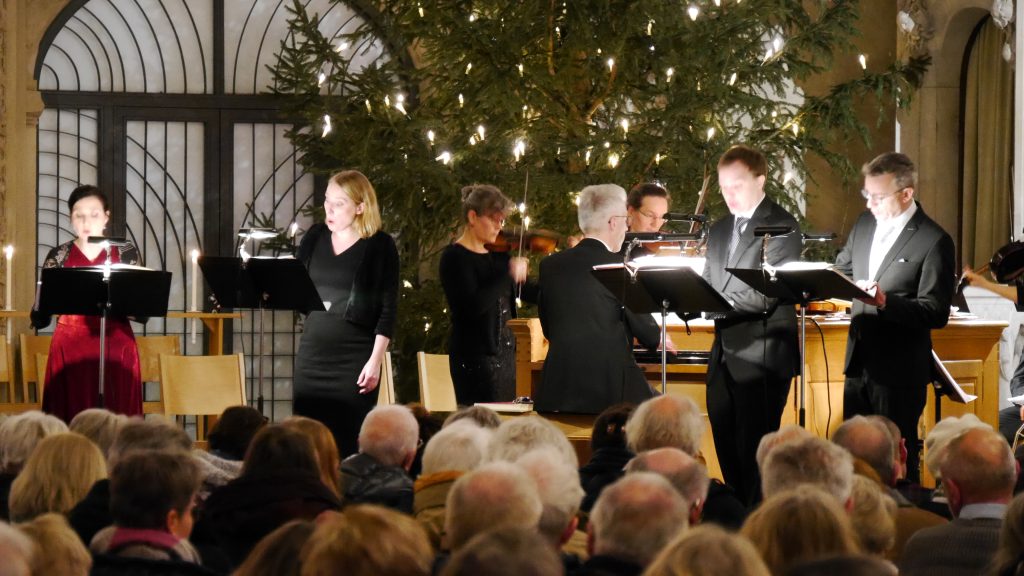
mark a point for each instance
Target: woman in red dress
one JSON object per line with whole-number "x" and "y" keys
{"x": 72, "y": 370}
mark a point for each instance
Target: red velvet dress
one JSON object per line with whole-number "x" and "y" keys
{"x": 72, "y": 370}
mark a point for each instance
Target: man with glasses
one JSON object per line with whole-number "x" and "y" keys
{"x": 590, "y": 365}
{"x": 755, "y": 353}
{"x": 906, "y": 261}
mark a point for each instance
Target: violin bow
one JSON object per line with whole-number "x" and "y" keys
{"x": 524, "y": 222}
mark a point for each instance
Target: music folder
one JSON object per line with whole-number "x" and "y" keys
{"x": 800, "y": 283}
{"x": 133, "y": 291}
{"x": 268, "y": 283}
{"x": 644, "y": 290}
{"x": 945, "y": 385}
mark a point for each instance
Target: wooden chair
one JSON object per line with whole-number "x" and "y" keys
{"x": 150, "y": 349}
{"x": 201, "y": 386}
{"x": 7, "y": 383}
{"x": 436, "y": 389}
{"x": 387, "y": 382}
{"x": 32, "y": 345}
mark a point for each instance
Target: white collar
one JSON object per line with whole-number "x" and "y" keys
{"x": 900, "y": 221}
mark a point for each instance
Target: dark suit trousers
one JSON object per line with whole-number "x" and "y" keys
{"x": 902, "y": 405}
{"x": 741, "y": 413}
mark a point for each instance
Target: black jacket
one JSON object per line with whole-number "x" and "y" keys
{"x": 373, "y": 301}
{"x": 367, "y": 481}
{"x": 606, "y": 465}
{"x": 109, "y": 565}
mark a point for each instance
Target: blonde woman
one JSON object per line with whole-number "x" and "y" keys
{"x": 57, "y": 475}
{"x": 326, "y": 449}
{"x": 64, "y": 553}
{"x": 354, "y": 266}
{"x": 708, "y": 551}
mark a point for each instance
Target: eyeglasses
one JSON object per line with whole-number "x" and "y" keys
{"x": 629, "y": 219}
{"x": 880, "y": 197}
{"x": 652, "y": 216}
{"x": 497, "y": 218}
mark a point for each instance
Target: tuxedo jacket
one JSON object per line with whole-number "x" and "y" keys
{"x": 918, "y": 275}
{"x": 760, "y": 336}
{"x": 590, "y": 363}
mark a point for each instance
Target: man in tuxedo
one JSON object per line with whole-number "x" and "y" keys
{"x": 590, "y": 363}
{"x": 755, "y": 353}
{"x": 906, "y": 261}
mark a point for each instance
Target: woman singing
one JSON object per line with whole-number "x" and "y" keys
{"x": 480, "y": 288}
{"x": 72, "y": 369}
{"x": 354, "y": 266}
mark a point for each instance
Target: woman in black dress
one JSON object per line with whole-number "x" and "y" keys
{"x": 480, "y": 287}
{"x": 354, "y": 266}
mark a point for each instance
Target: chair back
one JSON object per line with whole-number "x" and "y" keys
{"x": 201, "y": 386}
{"x": 6, "y": 374}
{"x": 437, "y": 392}
{"x": 150, "y": 349}
{"x": 31, "y": 377}
{"x": 387, "y": 382}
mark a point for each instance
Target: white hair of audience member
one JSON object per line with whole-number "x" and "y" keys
{"x": 389, "y": 434}
{"x": 870, "y": 441}
{"x": 145, "y": 435}
{"x": 598, "y": 203}
{"x": 517, "y": 436}
{"x": 558, "y": 484}
{"x": 808, "y": 461}
{"x": 688, "y": 476}
{"x": 786, "y": 433}
{"x": 459, "y": 446}
{"x": 20, "y": 433}
{"x": 16, "y": 551}
{"x": 99, "y": 425}
{"x": 940, "y": 435}
{"x": 635, "y": 517}
{"x": 666, "y": 422}
{"x": 495, "y": 494}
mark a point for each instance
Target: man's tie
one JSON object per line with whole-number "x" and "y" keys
{"x": 738, "y": 227}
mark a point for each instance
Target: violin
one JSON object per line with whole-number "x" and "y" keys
{"x": 542, "y": 242}
{"x": 1007, "y": 264}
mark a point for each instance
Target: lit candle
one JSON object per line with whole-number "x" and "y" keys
{"x": 9, "y": 254}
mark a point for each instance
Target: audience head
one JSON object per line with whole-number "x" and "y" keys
{"x": 873, "y": 517}
{"x": 684, "y": 472}
{"x": 811, "y": 461}
{"x": 801, "y": 524}
{"x": 278, "y": 553}
{"x": 17, "y": 551}
{"x": 350, "y": 187}
{"x": 558, "y": 484}
{"x": 708, "y": 551}
{"x": 278, "y": 448}
{"x": 1009, "y": 558}
{"x": 787, "y": 433}
{"x": 666, "y": 422}
{"x": 99, "y": 425}
{"x": 147, "y": 435}
{"x": 518, "y": 436}
{"x": 505, "y": 551}
{"x": 870, "y": 441}
{"x": 61, "y": 551}
{"x": 326, "y": 448}
{"x": 495, "y": 494}
{"x": 19, "y": 435}
{"x": 57, "y": 475}
{"x": 940, "y": 435}
{"x": 482, "y": 416}
{"x": 899, "y": 444}
{"x": 977, "y": 467}
{"x": 461, "y": 446}
{"x": 231, "y": 435}
{"x": 154, "y": 491}
{"x": 609, "y": 429}
{"x": 635, "y": 517}
{"x": 844, "y": 565}
{"x": 368, "y": 540}
{"x": 390, "y": 434}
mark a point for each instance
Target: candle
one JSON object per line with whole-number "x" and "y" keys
{"x": 195, "y": 290}
{"x": 9, "y": 286}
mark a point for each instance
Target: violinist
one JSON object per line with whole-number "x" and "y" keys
{"x": 1010, "y": 418}
{"x": 647, "y": 205}
{"x": 481, "y": 287}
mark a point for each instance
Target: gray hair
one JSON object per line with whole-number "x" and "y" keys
{"x": 151, "y": 434}
{"x": 99, "y": 425}
{"x": 598, "y": 203}
{"x": 688, "y": 476}
{"x": 808, "y": 461}
{"x": 20, "y": 433}
{"x": 495, "y": 494}
{"x": 517, "y": 436}
{"x": 558, "y": 483}
{"x": 666, "y": 422}
{"x": 769, "y": 441}
{"x": 941, "y": 434}
{"x": 899, "y": 165}
{"x": 389, "y": 434}
{"x": 635, "y": 517}
{"x": 979, "y": 461}
{"x": 870, "y": 441}
{"x": 460, "y": 446}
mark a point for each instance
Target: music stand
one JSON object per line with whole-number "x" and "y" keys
{"x": 800, "y": 286}
{"x": 260, "y": 284}
{"x": 945, "y": 385}
{"x": 661, "y": 289}
{"x": 107, "y": 290}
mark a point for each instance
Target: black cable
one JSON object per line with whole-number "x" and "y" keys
{"x": 828, "y": 385}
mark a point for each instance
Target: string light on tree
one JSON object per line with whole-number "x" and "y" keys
{"x": 369, "y": 107}
{"x": 732, "y": 79}
{"x": 327, "y": 126}
{"x": 669, "y": 73}
{"x": 444, "y": 158}
{"x": 400, "y": 103}
{"x": 611, "y": 64}
{"x": 341, "y": 47}
{"x": 430, "y": 137}
{"x": 469, "y": 67}
{"x": 613, "y": 160}
{"x": 693, "y": 11}
{"x": 320, "y": 79}
{"x": 518, "y": 150}
{"x": 625, "y": 125}
{"x": 863, "y": 61}
{"x": 711, "y": 133}
{"x": 462, "y": 101}
{"x": 480, "y": 131}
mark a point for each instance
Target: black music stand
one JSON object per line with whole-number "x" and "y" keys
{"x": 260, "y": 284}
{"x": 107, "y": 290}
{"x": 945, "y": 385}
{"x": 661, "y": 289}
{"x": 801, "y": 287}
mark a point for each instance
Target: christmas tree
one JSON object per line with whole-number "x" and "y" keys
{"x": 543, "y": 98}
